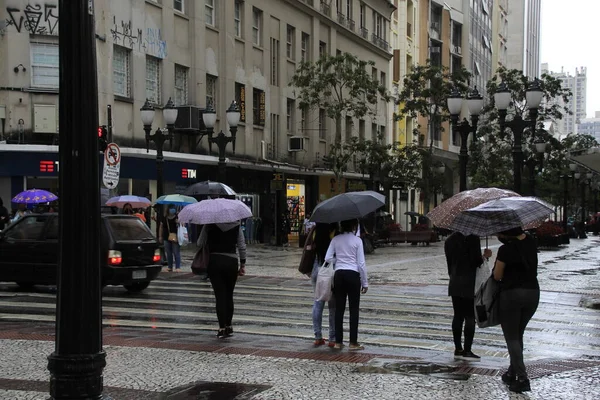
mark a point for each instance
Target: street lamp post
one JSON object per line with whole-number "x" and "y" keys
{"x": 475, "y": 104}
{"x": 566, "y": 179}
{"x": 233, "y": 118}
{"x": 517, "y": 125}
{"x": 533, "y": 161}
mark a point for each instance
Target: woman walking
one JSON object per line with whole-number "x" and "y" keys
{"x": 168, "y": 236}
{"x": 516, "y": 268}
{"x": 323, "y": 235}
{"x": 222, "y": 241}
{"x": 349, "y": 281}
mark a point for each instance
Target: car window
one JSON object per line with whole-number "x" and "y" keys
{"x": 27, "y": 228}
{"x": 52, "y": 232}
{"x": 129, "y": 229}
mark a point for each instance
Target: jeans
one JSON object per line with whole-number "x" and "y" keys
{"x": 223, "y": 273}
{"x": 464, "y": 312}
{"x": 346, "y": 284}
{"x": 317, "y": 311}
{"x": 173, "y": 249}
{"x": 517, "y": 306}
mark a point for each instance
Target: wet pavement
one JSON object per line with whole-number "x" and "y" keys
{"x": 160, "y": 343}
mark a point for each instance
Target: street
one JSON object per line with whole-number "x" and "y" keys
{"x": 163, "y": 338}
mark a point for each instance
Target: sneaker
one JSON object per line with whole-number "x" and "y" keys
{"x": 319, "y": 342}
{"x": 458, "y": 354}
{"x": 468, "y": 355}
{"x": 221, "y": 334}
{"x": 229, "y": 331}
{"x": 508, "y": 378}
{"x": 331, "y": 343}
{"x": 520, "y": 385}
{"x": 338, "y": 346}
{"x": 355, "y": 347}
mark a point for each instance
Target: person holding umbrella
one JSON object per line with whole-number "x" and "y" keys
{"x": 168, "y": 235}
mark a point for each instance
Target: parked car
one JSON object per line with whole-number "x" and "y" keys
{"x": 29, "y": 251}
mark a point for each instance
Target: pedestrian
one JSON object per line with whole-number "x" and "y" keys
{"x": 168, "y": 236}
{"x": 140, "y": 214}
{"x": 222, "y": 241}
{"x": 323, "y": 233}
{"x": 516, "y": 269}
{"x": 127, "y": 209}
{"x": 349, "y": 280}
{"x": 4, "y": 217}
{"x": 285, "y": 229}
{"x": 463, "y": 257}
{"x": 21, "y": 212}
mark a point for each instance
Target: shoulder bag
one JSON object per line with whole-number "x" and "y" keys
{"x": 308, "y": 254}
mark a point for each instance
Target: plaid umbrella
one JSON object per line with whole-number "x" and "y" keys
{"x": 500, "y": 215}
{"x": 443, "y": 215}
{"x": 214, "y": 211}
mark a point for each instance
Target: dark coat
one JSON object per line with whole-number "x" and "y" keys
{"x": 463, "y": 256}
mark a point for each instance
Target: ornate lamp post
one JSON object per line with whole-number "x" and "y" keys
{"x": 566, "y": 179}
{"x": 517, "y": 125}
{"x": 475, "y": 104}
{"x": 209, "y": 117}
{"x": 532, "y": 162}
{"x": 233, "y": 118}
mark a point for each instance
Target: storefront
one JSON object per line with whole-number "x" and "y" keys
{"x": 296, "y": 207}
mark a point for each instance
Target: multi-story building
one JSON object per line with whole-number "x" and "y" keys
{"x": 590, "y": 126}
{"x": 479, "y": 26}
{"x": 577, "y": 105}
{"x": 196, "y": 53}
{"x": 523, "y": 47}
{"x": 500, "y": 34}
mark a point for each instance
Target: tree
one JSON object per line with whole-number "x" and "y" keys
{"x": 342, "y": 85}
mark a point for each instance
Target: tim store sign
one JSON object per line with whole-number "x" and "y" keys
{"x": 49, "y": 166}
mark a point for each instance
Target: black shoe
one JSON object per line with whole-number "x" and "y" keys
{"x": 468, "y": 355}
{"x": 221, "y": 334}
{"x": 508, "y": 378}
{"x": 520, "y": 385}
{"x": 229, "y": 331}
{"x": 458, "y": 354}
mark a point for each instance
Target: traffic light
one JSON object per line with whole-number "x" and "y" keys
{"x": 102, "y": 138}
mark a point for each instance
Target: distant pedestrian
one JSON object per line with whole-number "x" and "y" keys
{"x": 140, "y": 214}
{"x": 168, "y": 236}
{"x": 323, "y": 235}
{"x": 21, "y": 212}
{"x": 4, "y": 217}
{"x": 516, "y": 268}
{"x": 463, "y": 256}
{"x": 127, "y": 209}
{"x": 222, "y": 241}
{"x": 349, "y": 281}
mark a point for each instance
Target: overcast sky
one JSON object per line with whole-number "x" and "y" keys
{"x": 568, "y": 39}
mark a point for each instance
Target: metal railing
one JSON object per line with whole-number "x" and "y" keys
{"x": 380, "y": 42}
{"x": 364, "y": 32}
{"x": 341, "y": 18}
{"x": 326, "y": 9}
{"x": 351, "y": 24}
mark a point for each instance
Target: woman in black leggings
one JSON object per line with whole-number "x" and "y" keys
{"x": 349, "y": 281}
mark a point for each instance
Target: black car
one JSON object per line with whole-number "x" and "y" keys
{"x": 29, "y": 251}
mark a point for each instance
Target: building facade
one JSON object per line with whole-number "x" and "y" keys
{"x": 590, "y": 126}
{"x": 195, "y": 53}
{"x": 523, "y": 49}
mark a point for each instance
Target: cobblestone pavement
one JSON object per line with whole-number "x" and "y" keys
{"x": 158, "y": 341}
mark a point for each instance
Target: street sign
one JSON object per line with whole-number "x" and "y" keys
{"x": 112, "y": 166}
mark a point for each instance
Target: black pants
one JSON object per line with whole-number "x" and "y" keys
{"x": 464, "y": 313}
{"x": 346, "y": 284}
{"x": 223, "y": 273}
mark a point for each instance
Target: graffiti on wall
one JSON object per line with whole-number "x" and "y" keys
{"x": 36, "y": 19}
{"x": 148, "y": 41}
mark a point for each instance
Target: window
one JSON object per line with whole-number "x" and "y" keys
{"x": 275, "y": 134}
{"x": 121, "y": 71}
{"x": 349, "y": 11}
{"x": 348, "y": 128}
{"x": 291, "y": 112}
{"x": 374, "y": 74}
{"x": 211, "y": 91}
{"x": 290, "y": 41}
{"x": 44, "y": 65}
{"x": 303, "y": 118}
{"x": 240, "y": 97}
{"x": 181, "y": 85}
{"x": 363, "y": 16}
{"x": 361, "y": 130}
{"x": 322, "y": 49}
{"x": 256, "y": 25}
{"x": 322, "y": 127}
{"x": 29, "y": 227}
{"x": 153, "y": 79}
{"x": 383, "y": 79}
{"x": 209, "y": 12}
{"x": 178, "y": 5}
{"x": 258, "y": 107}
{"x": 304, "y": 47}
{"x": 237, "y": 18}
{"x": 274, "y": 62}
{"x": 373, "y": 131}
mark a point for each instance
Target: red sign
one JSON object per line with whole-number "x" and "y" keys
{"x": 188, "y": 173}
{"x": 46, "y": 166}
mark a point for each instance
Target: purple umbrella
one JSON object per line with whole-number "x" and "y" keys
{"x": 34, "y": 196}
{"x": 214, "y": 211}
{"x": 135, "y": 201}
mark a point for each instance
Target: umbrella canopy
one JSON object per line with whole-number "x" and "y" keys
{"x": 214, "y": 211}
{"x": 443, "y": 215}
{"x": 500, "y": 215}
{"x": 34, "y": 196}
{"x": 135, "y": 201}
{"x": 347, "y": 206}
{"x": 176, "y": 199}
{"x": 209, "y": 188}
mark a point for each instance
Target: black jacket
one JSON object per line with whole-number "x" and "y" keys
{"x": 463, "y": 256}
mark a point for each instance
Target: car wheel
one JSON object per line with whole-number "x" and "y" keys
{"x": 25, "y": 285}
{"x": 136, "y": 287}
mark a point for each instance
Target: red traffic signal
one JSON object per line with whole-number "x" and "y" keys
{"x": 102, "y": 137}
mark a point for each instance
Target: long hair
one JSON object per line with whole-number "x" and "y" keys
{"x": 322, "y": 239}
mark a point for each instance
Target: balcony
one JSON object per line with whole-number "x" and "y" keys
{"x": 364, "y": 32}
{"x": 326, "y": 9}
{"x": 309, "y": 2}
{"x": 341, "y": 18}
{"x": 380, "y": 42}
{"x": 350, "y": 24}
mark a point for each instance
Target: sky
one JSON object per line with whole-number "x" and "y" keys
{"x": 569, "y": 39}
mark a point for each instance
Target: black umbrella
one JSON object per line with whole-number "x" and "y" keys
{"x": 209, "y": 188}
{"x": 347, "y": 206}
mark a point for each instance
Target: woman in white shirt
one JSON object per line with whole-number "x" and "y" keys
{"x": 349, "y": 281}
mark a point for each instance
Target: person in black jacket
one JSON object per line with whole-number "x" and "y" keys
{"x": 222, "y": 241}
{"x": 4, "y": 218}
{"x": 463, "y": 256}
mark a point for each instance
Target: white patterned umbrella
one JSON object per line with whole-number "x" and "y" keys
{"x": 501, "y": 215}
{"x": 135, "y": 201}
{"x": 214, "y": 211}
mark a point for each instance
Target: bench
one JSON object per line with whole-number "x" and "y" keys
{"x": 412, "y": 237}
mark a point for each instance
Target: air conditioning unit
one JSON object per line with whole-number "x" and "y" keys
{"x": 296, "y": 143}
{"x": 458, "y": 50}
{"x": 435, "y": 50}
{"x": 188, "y": 118}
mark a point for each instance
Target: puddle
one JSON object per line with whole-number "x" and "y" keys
{"x": 214, "y": 391}
{"x": 441, "y": 371}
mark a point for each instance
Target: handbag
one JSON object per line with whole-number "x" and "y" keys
{"x": 200, "y": 262}
{"x": 308, "y": 255}
{"x": 324, "y": 281}
{"x": 487, "y": 306}
{"x": 172, "y": 235}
